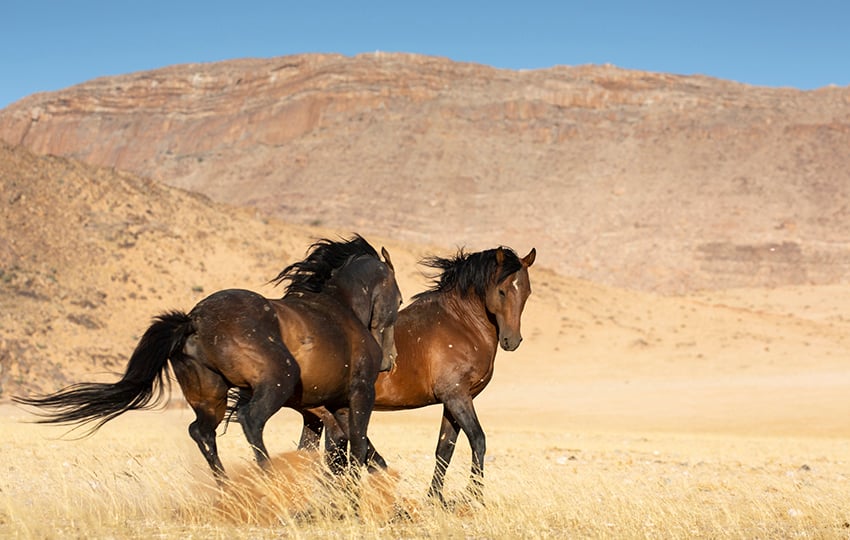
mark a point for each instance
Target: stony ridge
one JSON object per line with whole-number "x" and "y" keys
{"x": 642, "y": 180}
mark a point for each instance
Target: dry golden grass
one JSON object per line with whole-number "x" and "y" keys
{"x": 142, "y": 477}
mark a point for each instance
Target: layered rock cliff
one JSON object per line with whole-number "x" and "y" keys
{"x": 644, "y": 180}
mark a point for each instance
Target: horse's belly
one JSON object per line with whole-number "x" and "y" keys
{"x": 393, "y": 393}
{"x": 324, "y": 376}
{"x": 322, "y": 391}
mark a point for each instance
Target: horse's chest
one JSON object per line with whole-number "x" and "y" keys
{"x": 480, "y": 376}
{"x": 473, "y": 354}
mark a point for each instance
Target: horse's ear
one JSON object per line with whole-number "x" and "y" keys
{"x": 500, "y": 256}
{"x": 528, "y": 260}
{"x": 386, "y": 256}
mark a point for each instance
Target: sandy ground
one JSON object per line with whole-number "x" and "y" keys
{"x": 747, "y": 362}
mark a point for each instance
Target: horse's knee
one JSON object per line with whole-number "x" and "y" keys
{"x": 478, "y": 443}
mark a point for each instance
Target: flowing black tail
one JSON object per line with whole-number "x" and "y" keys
{"x": 142, "y": 386}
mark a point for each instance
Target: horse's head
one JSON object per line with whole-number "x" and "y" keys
{"x": 386, "y": 299}
{"x": 505, "y": 299}
{"x": 370, "y": 285}
{"x": 361, "y": 280}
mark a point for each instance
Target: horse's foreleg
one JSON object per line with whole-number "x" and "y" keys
{"x": 445, "y": 448}
{"x": 374, "y": 460}
{"x": 336, "y": 444}
{"x": 336, "y": 441}
{"x": 464, "y": 416}
{"x": 362, "y": 401}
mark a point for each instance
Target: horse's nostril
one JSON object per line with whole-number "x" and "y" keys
{"x": 510, "y": 344}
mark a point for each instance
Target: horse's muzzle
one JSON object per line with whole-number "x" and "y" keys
{"x": 510, "y": 343}
{"x": 388, "y": 359}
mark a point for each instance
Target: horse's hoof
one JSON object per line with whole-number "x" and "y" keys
{"x": 436, "y": 497}
{"x": 303, "y": 516}
{"x": 373, "y": 468}
{"x": 400, "y": 514}
{"x": 474, "y": 496}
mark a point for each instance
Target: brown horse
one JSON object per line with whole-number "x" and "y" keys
{"x": 447, "y": 340}
{"x": 320, "y": 345}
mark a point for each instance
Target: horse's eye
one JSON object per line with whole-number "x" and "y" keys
{"x": 501, "y": 293}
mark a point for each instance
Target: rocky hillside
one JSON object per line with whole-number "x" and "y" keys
{"x": 635, "y": 179}
{"x": 88, "y": 256}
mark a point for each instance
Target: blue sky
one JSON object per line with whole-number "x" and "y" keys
{"x": 49, "y": 45}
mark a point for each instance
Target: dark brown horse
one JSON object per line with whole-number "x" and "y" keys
{"x": 320, "y": 345}
{"x": 447, "y": 340}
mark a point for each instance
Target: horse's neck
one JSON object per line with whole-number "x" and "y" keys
{"x": 472, "y": 313}
{"x": 353, "y": 298}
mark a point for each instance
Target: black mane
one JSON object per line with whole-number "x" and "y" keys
{"x": 324, "y": 256}
{"x": 467, "y": 272}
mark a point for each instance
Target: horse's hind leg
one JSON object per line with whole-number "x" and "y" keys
{"x": 202, "y": 430}
{"x": 206, "y": 393}
{"x": 268, "y": 398}
{"x": 311, "y": 432}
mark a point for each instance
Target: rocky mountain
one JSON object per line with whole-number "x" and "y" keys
{"x": 641, "y": 180}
